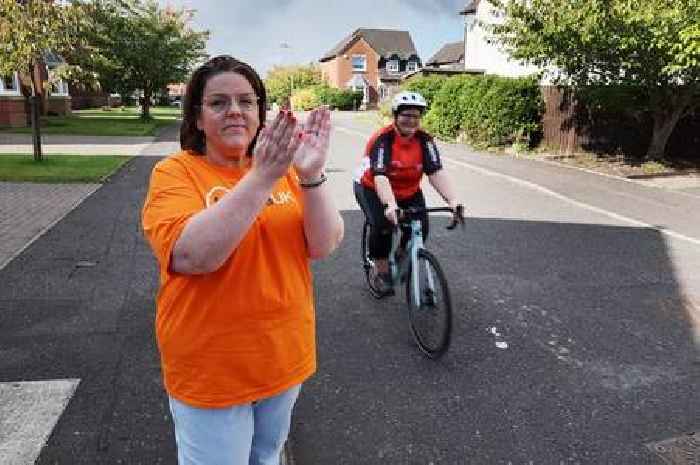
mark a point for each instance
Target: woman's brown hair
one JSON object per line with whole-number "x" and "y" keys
{"x": 191, "y": 138}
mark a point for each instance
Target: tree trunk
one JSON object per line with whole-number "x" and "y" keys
{"x": 35, "y": 108}
{"x": 664, "y": 124}
{"x": 146, "y": 108}
{"x": 36, "y": 127}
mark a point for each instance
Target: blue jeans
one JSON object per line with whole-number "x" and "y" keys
{"x": 251, "y": 433}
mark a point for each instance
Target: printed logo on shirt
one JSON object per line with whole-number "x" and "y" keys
{"x": 280, "y": 198}
{"x": 433, "y": 151}
{"x": 380, "y": 158}
{"x": 276, "y": 198}
{"x": 214, "y": 195}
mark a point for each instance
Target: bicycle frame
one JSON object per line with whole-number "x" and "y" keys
{"x": 398, "y": 270}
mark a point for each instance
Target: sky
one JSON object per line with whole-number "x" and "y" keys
{"x": 255, "y": 30}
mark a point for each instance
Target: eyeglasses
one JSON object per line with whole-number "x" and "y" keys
{"x": 410, "y": 115}
{"x": 222, "y": 103}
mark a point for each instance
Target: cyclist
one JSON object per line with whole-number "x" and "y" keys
{"x": 395, "y": 159}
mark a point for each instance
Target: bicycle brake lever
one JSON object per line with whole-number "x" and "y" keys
{"x": 457, "y": 218}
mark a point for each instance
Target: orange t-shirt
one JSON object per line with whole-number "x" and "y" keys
{"x": 247, "y": 330}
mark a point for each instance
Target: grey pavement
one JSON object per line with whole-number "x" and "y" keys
{"x": 164, "y": 143}
{"x": 27, "y": 210}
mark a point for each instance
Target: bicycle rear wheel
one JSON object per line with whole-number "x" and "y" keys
{"x": 430, "y": 312}
{"x": 368, "y": 263}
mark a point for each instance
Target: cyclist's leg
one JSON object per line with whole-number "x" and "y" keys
{"x": 380, "y": 235}
{"x": 379, "y": 239}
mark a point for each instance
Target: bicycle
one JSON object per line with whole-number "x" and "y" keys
{"x": 427, "y": 293}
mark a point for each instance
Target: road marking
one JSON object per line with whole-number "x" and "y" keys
{"x": 577, "y": 203}
{"x": 28, "y": 413}
{"x": 544, "y": 190}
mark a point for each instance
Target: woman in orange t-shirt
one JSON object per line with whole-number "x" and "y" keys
{"x": 234, "y": 219}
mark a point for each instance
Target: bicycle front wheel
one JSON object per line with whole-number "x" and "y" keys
{"x": 368, "y": 263}
{"x": 429, "y": 305}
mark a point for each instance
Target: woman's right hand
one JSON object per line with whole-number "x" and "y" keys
{"x": 276, "y": 146}
{"x": 390, "y": 214}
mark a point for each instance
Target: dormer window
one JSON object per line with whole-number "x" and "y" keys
{"x": 359, "y": 63}
{"x": 412, "y": 66}
{"x": 393, "y": 66}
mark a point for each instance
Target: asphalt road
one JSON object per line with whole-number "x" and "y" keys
{"x": 590, "y": 282}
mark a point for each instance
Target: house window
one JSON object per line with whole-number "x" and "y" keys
{"x": 58, "y": 88}
{"x": 9, "y": 85}
{"x": 412, "y": 66}
{"x": 393, "y": 66}
{"x": 359, "y": 63}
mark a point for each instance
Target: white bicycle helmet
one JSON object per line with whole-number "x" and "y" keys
{"x": 407, "y": 99}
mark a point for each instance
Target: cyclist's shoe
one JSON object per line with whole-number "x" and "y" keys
{"x": 382, "y": 285}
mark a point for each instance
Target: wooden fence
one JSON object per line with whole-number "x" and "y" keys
{"x": 569, "y": 127}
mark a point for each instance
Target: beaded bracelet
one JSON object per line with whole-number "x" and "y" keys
{"x": 312, "y": 184}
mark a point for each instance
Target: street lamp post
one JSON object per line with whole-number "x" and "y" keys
{"x": 286, "y": 46}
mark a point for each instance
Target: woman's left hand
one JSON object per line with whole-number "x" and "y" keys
{"x": 310, "y": 159}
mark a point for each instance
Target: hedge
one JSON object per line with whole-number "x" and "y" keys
{"x": 427, "y": 86}
{"x": 486, "y": 110}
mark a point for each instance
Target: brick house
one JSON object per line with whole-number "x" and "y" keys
{"x": 14, "y": 107}
{"x": 373, "y": 61}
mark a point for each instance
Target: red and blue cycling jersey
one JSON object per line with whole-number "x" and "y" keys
{"x": 403, "y": 160}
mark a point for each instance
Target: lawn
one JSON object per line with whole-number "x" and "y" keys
{"x": 99, "y": 122}
{"x": 59, "y": 168}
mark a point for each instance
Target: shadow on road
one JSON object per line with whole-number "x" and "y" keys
{"x": 600, "y": 358}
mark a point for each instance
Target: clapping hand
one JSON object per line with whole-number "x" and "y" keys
{"x": 277, "y": 144}
{"x": 312, "y": 155}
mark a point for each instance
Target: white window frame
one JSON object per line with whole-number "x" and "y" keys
{"x": 364, "y": 62}
{"x": 412, "y": 66}
{"x": 392, "y": 66}
{"x": 15, "y": 91}
{"x": 61, "y": 87}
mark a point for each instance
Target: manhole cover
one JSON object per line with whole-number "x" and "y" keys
{"x": 681, "y": 450}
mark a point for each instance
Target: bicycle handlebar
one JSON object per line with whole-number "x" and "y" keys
{"x": 406, "y": 215}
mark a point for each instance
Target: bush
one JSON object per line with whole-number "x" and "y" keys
{"x": 486, "y": 110}
{"x": 457, "y": 96}
{"x": 509, "y": 111}
{"x": 305, "y": 99}
{"x": 340, "y": 99}
{"x": 427, "y": 86}
{"x": 385, "y": 113}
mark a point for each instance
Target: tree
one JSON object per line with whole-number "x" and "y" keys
{"x": 135, "y": 44}
{"x": 281, "y": 80}
{"x": 649, "y": 47}
{"x": 156, "y": 46}
{"x": 92, "y": 61}
{"x": 28, "y": 29}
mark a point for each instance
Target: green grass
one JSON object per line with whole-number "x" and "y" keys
{"x": 99, "y": 122}
{"x": 59, "y": 168}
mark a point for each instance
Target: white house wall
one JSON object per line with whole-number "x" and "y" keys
{"x": 484, "y": 53}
